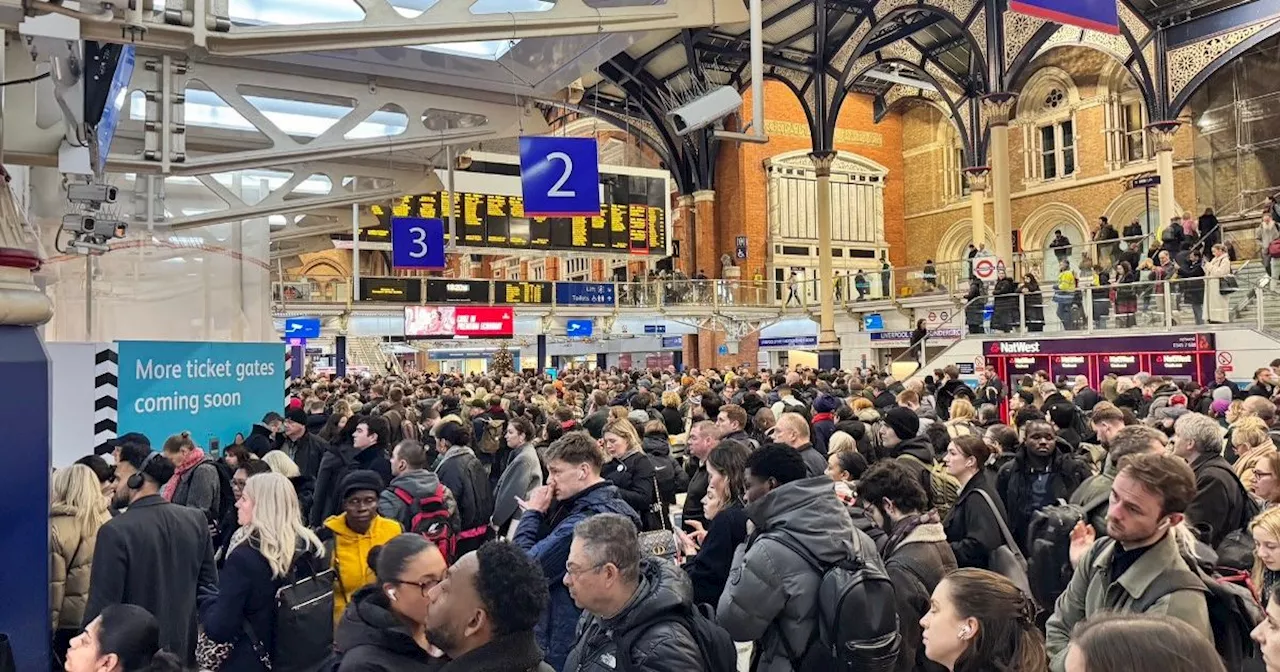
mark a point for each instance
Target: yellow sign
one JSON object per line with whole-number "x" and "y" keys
{"x": 843, "y": 135}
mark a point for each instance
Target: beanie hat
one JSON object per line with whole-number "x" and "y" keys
{"x": 903, "y": 421}
{"x": 361, "y": 479}
{"x": 1220, "y": 406}
{"x": 1178, "y": 400}
{"x": 1222, "y": 393}
{"x": 825, "y": 403}
{"x": 296, "y": 415}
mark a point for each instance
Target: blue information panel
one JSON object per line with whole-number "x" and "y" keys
{"x": 417, "y": 243}
{"x": 559, "y": 176}
{"x": 584, "y": 294}
{"x": 578, "y": 328}
{"x": 1099, "y": 15}
{"x": 208, "y": 389}
{"x": 302, "y": 327}
{"x": 106, "y": 129}
{"x": 655, "y": 328}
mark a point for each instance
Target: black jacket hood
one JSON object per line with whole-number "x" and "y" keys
{"x": 918, "y": 447}
{"x": 368, "y": 621}
{"x": 656, "y": 445}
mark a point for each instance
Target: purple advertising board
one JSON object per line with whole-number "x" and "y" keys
{"x": 1184, "y": 356}
{"x": 1100, "y": 15}
{"x": 1101, "y": 346}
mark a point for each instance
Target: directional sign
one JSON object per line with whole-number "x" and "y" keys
{"x": 1099, "y": 15}
{"x": 560, "y": 176}
{"x": 1145, "y": 181}
{"x": 417, "y": 243}
{"x": 578, "y": 328}
{"x": 984, "y": 268}
{"x": 655, "y": 328}
{"x": 302, "y": 327}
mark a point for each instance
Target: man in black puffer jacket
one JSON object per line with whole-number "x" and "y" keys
{"x": 1041, "y": 473}
{"x": 646, "y": 600}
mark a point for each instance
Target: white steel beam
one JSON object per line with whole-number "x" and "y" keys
{"x": 195, "y": 27}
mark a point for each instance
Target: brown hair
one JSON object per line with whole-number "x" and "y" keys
{"x": 1007, "y": 639}
{"x": 975, "y": 447}
{"x": 177, "y": 442}
{"x": 736, "y": 414}
{"x": 1106, "y": 411}
{"x": 1128, "y": 642}
{"x": 576, "y": 448}
{"x": 1166, "y": 475}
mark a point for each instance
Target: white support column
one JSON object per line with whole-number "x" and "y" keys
{"x": 999, "y": 107}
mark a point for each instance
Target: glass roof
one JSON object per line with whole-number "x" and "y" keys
{"x": 300, "y": 12}
{"x": 295, "y": 117}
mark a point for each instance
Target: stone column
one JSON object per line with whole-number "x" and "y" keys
{"x": 828, "y": 342}
{"x": 685, "y": 212}
{"x": 705, "y": 256}
{"x": 999, "y": 108}
{"x": 978, "y": 179}
{"x": 1162, "y": 134}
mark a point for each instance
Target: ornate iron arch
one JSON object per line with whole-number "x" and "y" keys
{"x": 1180, "y": 91}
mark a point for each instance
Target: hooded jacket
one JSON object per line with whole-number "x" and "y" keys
{"x": 916, "y": 565}
{"x": 671, "y": 478}
{"x": 917, "y": 454}
{"x": 1097, "y": 488}
{"x": 372, "y": 639}
{"x": 349, "y": 555}
{"x": 659, "y": 642}
{"x": 417, "y": 484}
{"x": 516, "y": 652}
{"x": 546, "y": 538}
{"x": 260, "y": 440}
{"x": 70, "y": 562}
{"x": 336, "y": 463}
{"x": 463, "y": 473}
{"x": 770, "y": 585}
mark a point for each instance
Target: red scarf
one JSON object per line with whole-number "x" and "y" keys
{"x": 193, "y": 460}
{"x": 823, "y": 417}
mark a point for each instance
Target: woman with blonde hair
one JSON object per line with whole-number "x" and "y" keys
{"x": 631, "y": 471}
{"x": 1265, "y": 530}
{"x": 1266, "y": 479}
{"x": 303, "y": 485}
{"x": 277, "y": 546}
{"x": 1250, "y": 442}
{"x": 77, "y": 510}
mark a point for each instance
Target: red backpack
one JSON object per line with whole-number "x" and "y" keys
{"x": 433, "y": 520}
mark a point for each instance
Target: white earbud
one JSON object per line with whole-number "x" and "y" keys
{"x": 965, "y": 632}
{"x": 392, "y": 594}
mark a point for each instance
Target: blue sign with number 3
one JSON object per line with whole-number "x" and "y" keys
{"x": 417, "y": 243}
{"x": 560, "y": 177}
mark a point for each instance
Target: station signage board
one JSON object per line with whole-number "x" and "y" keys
{"x": 391, "y": 290}
{"x": 457, "y": 291}
{"x": 520, "y": 292}
{"x": 460, "y": 322}
{"x": 585, "y": 294}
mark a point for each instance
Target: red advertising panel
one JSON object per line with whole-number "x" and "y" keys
{"x": 458, "y": 322}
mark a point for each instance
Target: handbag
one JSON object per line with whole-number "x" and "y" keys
{"x": 1007, "y": 560}
{"x": 211, "y": 655}
{"x": 1228, "y": 285}
{"x": 661, "y": 543}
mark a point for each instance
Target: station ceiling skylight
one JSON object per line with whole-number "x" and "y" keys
{"x": 300, "y": 12}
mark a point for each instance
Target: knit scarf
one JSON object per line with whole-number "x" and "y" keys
{"x": 903, "y": 529}
{"x": 192, "y": 461}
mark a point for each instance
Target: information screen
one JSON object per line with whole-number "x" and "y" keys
{"x": 516, "y": 292}
{"x": 632, "y": 219}
{"x": 1183, "y": 356}
{"x": 457, "y": 291}
{"x": 394, "y": 290}
{"x": 458, "y": 322}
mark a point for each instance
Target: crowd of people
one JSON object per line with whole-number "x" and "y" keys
{"x": 671, "y": 521}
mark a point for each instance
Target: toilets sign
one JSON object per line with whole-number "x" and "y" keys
{"x": 208, "y": 389}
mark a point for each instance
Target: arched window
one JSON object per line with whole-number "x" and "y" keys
{"x": 1126, "y": 119}
{"x": 1046, "y": 111}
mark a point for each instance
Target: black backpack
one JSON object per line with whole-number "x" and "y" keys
{"x": 304, "y": 618}
{"x": 857, "y": 620}
{"x": 1049, "y": 567}
{"x": 1233, "y": 613}
{"x": 226, "y": 497}
{"x": 719, "y": 653}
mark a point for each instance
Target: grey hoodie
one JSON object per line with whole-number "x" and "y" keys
{"x": 771, "y": 584}
{"x": 417, "y": 484}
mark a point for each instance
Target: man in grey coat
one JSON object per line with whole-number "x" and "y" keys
{"x": 413, "y": 482}
{"x": 521, "y": 476}
{"x": 772, "y": 592}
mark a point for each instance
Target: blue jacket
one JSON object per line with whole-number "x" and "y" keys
{"x": 546, "y": 538}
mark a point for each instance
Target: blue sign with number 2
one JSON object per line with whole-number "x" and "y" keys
{"x": 417, "y": 243}
{"x": 560, "y": 177}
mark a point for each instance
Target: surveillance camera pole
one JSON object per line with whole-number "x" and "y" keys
{"x": 756, "y": 127}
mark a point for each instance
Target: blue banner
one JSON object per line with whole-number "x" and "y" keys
{"x": 209, "y": 389}
{"x": 584, "y": 294}
{"x": 790, "y": 342}
{"x": 1099, "y": 15}
{"x": 302, "y": 327}
{"x": 417, "y": 243}
{"x": 560, "y": 176}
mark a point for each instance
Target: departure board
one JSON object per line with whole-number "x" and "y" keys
{"x": 632, "y": 219}
{"x": 521, "y": 292}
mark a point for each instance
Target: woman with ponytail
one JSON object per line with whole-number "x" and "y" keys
{"x": 123, "y": 638}
{"x": 383, "y": 628}
{"x": 275, "y": 541}
{"x": 978, "y": 621}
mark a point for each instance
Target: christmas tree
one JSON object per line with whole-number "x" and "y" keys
{"x": 502, "y": 361}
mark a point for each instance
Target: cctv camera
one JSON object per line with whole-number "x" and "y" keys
{"x": 705, "y": 110}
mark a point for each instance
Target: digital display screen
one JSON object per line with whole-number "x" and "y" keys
{"x": 458, "y": 322}
{"x": 579, "y": 328}
{"x": 392, "y": 290}
{"x": 632, "y": 219}
{"x": 457, "y": 291}
{"x": 517, "y": 292}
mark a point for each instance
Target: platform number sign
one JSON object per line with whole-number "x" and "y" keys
{"x": 417, "y": 243}
{"x": 560, "y": 177}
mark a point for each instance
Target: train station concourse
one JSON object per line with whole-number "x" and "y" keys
{"x": 209, "y": 199}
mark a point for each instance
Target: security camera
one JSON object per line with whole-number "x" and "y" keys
{"x": 79, "y": 224}
{"x": 94, "y": 195}
{"x": 705, "y": 110}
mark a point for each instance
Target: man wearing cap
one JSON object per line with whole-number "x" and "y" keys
{"x": 900, "y": 436}
{"x": 265, "y": 435}
{"x": 155, "y": 555}
{"x": 349, "y": 536}
{"x": 303, "y": 447}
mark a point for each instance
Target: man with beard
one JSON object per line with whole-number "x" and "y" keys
{"x": 1148, "y": 498}
{"x": 483, "y": 614}
{"x": 155, "y": 555}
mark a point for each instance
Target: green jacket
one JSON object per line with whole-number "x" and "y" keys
{"x": 1095, "y": 488}
{"x": 1091, "y": 592}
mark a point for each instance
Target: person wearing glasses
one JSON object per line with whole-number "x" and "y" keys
{"x": 384, "y": 628}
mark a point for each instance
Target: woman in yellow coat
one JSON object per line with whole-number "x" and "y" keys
{"x": 77, "y": 509}
{"x": 349, "y": 536}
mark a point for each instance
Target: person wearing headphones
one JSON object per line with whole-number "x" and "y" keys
{"x": 155, "y": 555}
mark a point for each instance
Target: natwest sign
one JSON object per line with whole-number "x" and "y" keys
{"x": 1015, "y": 348}
{"x": 458, "y": 322}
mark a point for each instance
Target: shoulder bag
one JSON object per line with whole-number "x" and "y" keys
{"x": 1007, "y": 560}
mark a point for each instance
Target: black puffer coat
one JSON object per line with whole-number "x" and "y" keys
{"x": 1014, "y": 485}
{"x": 665, "y": 646}
{"x": 372, "y": 639}
{"x": 635, "y": 479}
